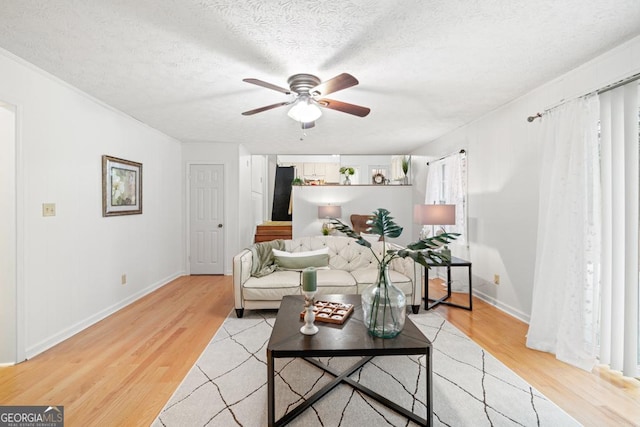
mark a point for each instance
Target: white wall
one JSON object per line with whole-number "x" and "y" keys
{"x": 8, "y": 288}
{"x": 73, "y": 262}
{"x": 354, "y": 199}
{"x": 504, "y": 154}
{"x": 237, "y": 190}
{"x": 245, "y": 200}
{"x": 259, "y": 188}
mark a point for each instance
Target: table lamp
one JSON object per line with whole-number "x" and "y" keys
{"x": 434, "y": 215}
{"x": 326, "y": 212}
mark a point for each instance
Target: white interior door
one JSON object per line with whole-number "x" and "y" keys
{"x": 206, "y": 226}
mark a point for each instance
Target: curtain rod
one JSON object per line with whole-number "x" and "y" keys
{"x": 448, "y": 155}
{"x": 603, "y": 89}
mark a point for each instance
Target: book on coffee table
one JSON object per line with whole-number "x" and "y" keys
{"x": 330, "y": 312}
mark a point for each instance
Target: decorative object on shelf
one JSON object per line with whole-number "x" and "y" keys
{"x": 309, "y": 288}
{"x": 378, "y": 177}
{"x": 384, "y": 305}
{"x": 347, "y": 171}
{"x": 327, "y": 212}
{"x": 297, "y": 181}
{"x": 405, "y": 170}
{"x": 313, "y": 181}
{"x": 121, "y": 187}
{"x": 434, "y": 215}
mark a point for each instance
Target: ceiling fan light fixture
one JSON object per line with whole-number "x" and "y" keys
{"x": 304, "y": 110}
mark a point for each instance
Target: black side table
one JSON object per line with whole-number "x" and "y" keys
{"x": 429, "y": 303}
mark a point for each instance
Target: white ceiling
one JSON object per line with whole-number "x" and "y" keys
{"x": 425, "y": 67}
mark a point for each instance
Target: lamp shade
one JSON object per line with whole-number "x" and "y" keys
{"x": 435, "y": 214}
{"x": 329, "y": 211}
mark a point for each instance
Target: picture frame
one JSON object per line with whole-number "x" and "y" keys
{"x": 121, "y": 187}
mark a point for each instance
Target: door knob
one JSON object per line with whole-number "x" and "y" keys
{"x": 219, "y": 225}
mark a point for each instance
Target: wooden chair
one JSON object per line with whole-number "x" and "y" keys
{"x": 359, "y": 223}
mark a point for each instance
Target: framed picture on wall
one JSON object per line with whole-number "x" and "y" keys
{"x": 121, "y": 187}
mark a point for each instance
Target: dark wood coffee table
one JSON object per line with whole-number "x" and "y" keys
{"x": 287, "y": 341}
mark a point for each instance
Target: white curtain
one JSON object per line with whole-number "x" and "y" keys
{"x": 447, "y": 184}
{"x": 620, "y": 180}
{"x": 563, "y": 314}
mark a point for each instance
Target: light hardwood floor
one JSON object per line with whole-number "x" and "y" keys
{"x": 122, "y": 370}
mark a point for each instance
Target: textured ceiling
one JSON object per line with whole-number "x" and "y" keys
{"x": 425, "y": 67}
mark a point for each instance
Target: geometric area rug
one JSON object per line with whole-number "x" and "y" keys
{"x": 228, "y": 384}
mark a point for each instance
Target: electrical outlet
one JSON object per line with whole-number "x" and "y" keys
{"x": 48, "y": 209}
{"x": 496, "y": 279}
{"x": 123, "y": 279}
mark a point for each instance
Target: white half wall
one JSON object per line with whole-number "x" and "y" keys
{"x": 354, "y": 199}
{"x": 504, "y": 155}
{"x": 73, "y": 262}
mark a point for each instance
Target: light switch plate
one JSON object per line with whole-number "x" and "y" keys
{"x": 48, "y": 209}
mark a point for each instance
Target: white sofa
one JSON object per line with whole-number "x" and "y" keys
{"x": 352, "y": 268}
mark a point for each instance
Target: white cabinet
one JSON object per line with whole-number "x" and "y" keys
{"x": 329, "y": 172}
{"x": 314, "y": 170}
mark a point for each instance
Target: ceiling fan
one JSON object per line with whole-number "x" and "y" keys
{"x": 309, "y": 95}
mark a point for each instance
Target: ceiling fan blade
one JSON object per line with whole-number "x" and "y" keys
{"x": 267, "y": 85}
{"x": 265, "y": 108}
{"x": 335, "y": 84}
{"x": 345, "y": 107}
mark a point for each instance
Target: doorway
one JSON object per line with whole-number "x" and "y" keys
{"x": 206, "y": 225}
{"x": 282, "y": 194}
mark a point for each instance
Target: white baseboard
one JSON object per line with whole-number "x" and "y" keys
{"x": 503, "y": 307}
{"x": 85, "y": 323}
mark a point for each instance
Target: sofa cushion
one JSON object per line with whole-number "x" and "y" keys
{"x": 335, "y": 278}
{"x": 272, "y": 287}
{"x": 301, "y": 260}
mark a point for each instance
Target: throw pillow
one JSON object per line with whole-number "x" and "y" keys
{"x": 301, "y": 260}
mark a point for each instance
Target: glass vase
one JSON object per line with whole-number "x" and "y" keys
{"x": 384, "y": 306}
{"x": 347, "y": 180}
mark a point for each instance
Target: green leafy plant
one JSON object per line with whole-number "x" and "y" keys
{"x": 382, "y": 223}
{"x": 297, "y": 181}
{"x": 326, "y": 229}
{"x": 384, "y": 312}
{"x": 347, "y": 170}
{"x": 405, "y": 165}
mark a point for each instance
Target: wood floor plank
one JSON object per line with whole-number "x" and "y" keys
{"x": 122, "y": 370}
{"x": 599, "y": 398}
